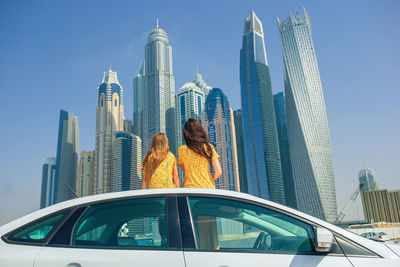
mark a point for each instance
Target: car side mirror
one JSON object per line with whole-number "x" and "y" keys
{"x": 323, "y": 240}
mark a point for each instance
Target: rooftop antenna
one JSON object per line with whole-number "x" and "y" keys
{"x": 73, "y": 192}
{"x": 197, "y": 68}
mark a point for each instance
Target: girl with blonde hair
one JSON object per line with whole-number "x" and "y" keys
{"x": 159, "y": 165}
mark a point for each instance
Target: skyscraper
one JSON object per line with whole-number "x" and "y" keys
{"x": 308, "y": 132}
{"x": 240, "y": 151}
{"x": 48, "y": 176}
{"x": 189, "y": 103}
{"x": 200, "y": 83}
{"x": 287, "y": 174}
{"x": 84, "y": 175}
{"x": 367, "y": 178}
{"x": 109, "y": 120}
{"x": 159, "y": 89}
{"x": 218, "y": 122}
{"x": 138, "y": 101}
{"x": 264, "y": 174}
{"x": 67, "y": 157}
{"x": 121, "y": 162}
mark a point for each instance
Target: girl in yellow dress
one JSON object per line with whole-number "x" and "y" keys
{"x": 196, "y": 156}
{"x": 159, "y": 165}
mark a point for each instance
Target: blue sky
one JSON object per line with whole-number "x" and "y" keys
{"x": 54, "y": 54}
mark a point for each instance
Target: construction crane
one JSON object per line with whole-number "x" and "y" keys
{"x": 346, "y": 206}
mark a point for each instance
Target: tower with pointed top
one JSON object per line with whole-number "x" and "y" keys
{"x": 263, "y": 166}
{"x": 109, "y": 120}
{"x": 159, "y": 89}
{"x": 307, "y": 123}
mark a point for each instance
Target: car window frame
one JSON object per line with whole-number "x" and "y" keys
{"x": 173, "y": 225}
{"x": 193, "y": 245}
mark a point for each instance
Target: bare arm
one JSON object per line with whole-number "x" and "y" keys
{"x": 182, "y": 167}
{"x": 217, "y": 168}
{"x": 144, "y": 183}
{"x": 176, "y": 178}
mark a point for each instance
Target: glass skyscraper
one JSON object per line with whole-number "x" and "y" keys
{"x": 218, "y": 122}
{"x": 263, "y": 166}
{"x": 159, "y": 89}
{"x": 307, "y": 123}
{"x": 48, "y": 176}
{"x": 126, "y": 149}
{"x": 367, "y": 178}
{"x": 67, "y": 157}
{"x": 109, "y": 120}
{"x": 288, "y": 183}
{"x": 138, "y": 101}
{"x": 237, "y": 114}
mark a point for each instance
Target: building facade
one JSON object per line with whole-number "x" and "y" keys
{"x": 381, "y": 205}
{"x": 109, "y": 120}
{"x": 126, "y": 162}
{"x": 138, "y": 101}
{"x": 48, "y": 177}
{"x": 237, "y": 114}
{"x": 189, "y": 103}
{"x": 84, "y": 174}
{"x": 218, "y": 122}
{"x": 159, "y": 89}
{"x": 307, "y": 123}
{"x": 367, "y": 179}
{"x": 67, "y": 157}
{"x": 286, "y": 163}
{"x": 263, "y": 166}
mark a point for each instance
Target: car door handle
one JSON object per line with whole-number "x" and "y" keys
{"x": 74, "y": 264}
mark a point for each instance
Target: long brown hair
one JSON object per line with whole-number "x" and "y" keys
{"x": 157, "y": 153}
{"x": 196, "y": 138}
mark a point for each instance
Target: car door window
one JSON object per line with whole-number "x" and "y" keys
{"x": 222, "y": 224}
{"x": 127, "y": 223}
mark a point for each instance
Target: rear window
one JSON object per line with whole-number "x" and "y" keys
{"x": 39, "y": 231}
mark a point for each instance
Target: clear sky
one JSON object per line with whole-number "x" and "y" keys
{"x": 54, "y": 53}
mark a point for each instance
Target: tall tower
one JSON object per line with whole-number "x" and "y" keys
{"x": 67, "y": 157}
{"x": 84, "y": 174}
{"x": 200, "y": 83}
{"x": 109, "y": 120}
{"x": 308, "y": 132}
{"x": 138, "y": 101}
{"x": 367, "y": 178}
{"x": 218, "y": 121}
{"x": 263, "y": 166}
{"x": 288, "y": 183}
{"x": 48, "y": 176}
{"x": 189, "y": 103}
{"x": 159, "y": 89}
{"x": 240, "y": 151}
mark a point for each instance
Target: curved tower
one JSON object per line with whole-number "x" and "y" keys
{"x": 109, "y": 120}
{"x": 307, "y": 123}
{"x": 159, "y": 89}
{"x": 263, "y": 166}
{"x": 218, "y": 122}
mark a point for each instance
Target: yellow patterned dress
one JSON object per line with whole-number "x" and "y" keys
{"x": 197, "y": 168}
{"x": 163, "y": 175}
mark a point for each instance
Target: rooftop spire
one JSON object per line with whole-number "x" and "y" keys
{"x": 157, "y": 23}
{"x": 197, "y": 68}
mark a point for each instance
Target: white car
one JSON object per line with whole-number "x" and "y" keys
{"x": 183, "y": 227}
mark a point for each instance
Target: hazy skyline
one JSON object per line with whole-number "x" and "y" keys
{"x": 54, "y": 55}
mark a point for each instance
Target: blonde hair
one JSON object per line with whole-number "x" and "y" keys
{"x": 157, "y": 153}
